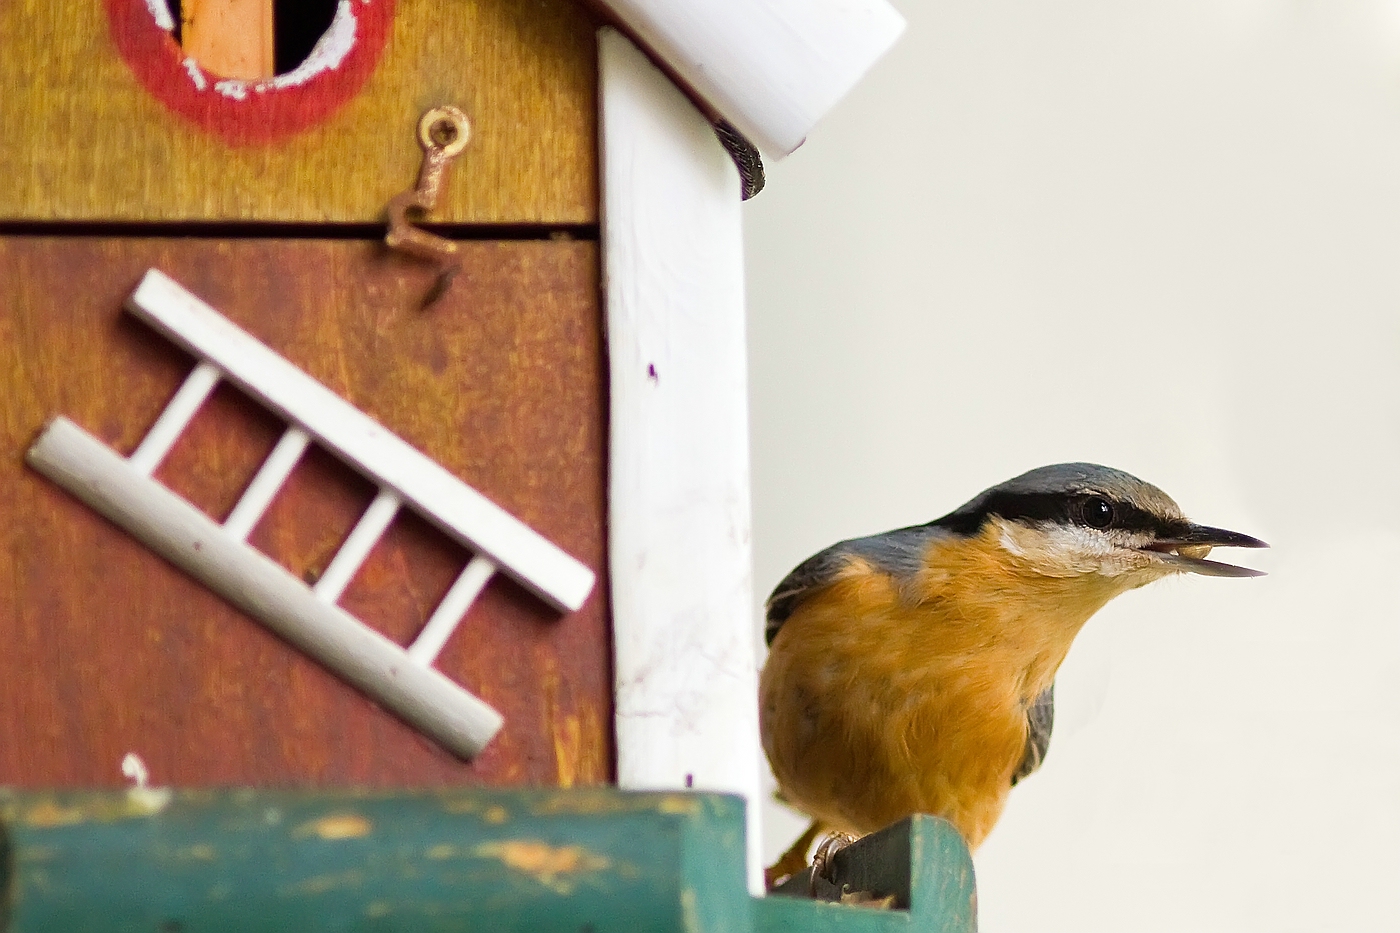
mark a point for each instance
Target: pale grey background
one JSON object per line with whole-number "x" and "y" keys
{"x": 1163, "y": 236}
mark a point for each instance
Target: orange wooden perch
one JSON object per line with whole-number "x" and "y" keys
{"x": 229, "y": 38}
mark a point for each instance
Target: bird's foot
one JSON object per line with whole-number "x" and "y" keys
{"x": 822, "y": 858}
{"x": 793, "y": 860}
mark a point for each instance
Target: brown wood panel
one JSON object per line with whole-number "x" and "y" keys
{"x": 105, "y": 649}
{"x": 102, "y": 121}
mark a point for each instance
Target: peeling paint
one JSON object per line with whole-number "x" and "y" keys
{"x": 320, "y": 884}
{"x": 690, "y": 910}
{"x": 135, "y": 770}
{"x": 46, "y": 814}
{"x": 336, "y": 826}
{"x": 148, "y": 801}
{"x": 443, "y": 851}
{"x": 33, "y": 854}
{"x": 568, "y": 740}
{"x": 233, "y": 89}
{"x": 161, "y": 14}
{"x": 200, "y": 852}
{"x": 378, "y": 909}
{"x": 138, "y": 802}
{"x": 461, "y": 805}
{"x": 679, "y": 803}
{"x": 196, "y": 75}
{"x": 556, "y": 868}
{"x": 495, "y": 815}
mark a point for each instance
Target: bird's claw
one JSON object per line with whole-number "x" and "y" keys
{"x": 823, "y": 858}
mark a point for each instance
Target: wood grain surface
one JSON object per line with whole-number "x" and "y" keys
{"x": 105, "y": 649}
{"x": 87, "y": 134}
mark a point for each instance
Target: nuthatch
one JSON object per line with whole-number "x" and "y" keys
{"x": 913, "y": 671}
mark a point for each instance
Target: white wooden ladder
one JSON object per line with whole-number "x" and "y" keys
{"x": 403, "y": 680}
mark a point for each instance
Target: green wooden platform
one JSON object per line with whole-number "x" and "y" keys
{"x": 583, "y": 861}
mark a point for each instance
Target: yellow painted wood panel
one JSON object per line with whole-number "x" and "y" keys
{"x": 82, "y": 139}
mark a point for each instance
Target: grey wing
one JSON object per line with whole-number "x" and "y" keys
{"x": 899, "y": 553}
{"x": 1041, "y": 718}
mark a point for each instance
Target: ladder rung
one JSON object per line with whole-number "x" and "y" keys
{"x": 269, "y": 479}
{"x": 357, "y": 546}
{"x": 448, "y": 615}
{"x": 175, "y": 418}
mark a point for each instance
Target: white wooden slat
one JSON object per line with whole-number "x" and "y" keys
{"x": 357, "y": 545}
{"x": 178, "y": 413}
{"x": 263, "y": 488}
{"x": 455, "y": 507}
{"x": 254, "y": 583}
{"x": 679, "y": 517}
{"x": 773, "y": 68}
{"x": 448, "y": 614}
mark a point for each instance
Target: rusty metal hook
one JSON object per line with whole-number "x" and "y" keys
{"x": 443, "y": 134}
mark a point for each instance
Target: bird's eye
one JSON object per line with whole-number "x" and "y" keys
{"x": 1098, "y": 513}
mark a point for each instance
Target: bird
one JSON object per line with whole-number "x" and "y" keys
{"x": 913, "y": 671}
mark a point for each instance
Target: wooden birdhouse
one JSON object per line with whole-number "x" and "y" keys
{"x": 374, "y": 387}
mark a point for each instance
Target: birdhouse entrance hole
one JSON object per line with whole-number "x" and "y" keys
{"x": 250, "y": 40}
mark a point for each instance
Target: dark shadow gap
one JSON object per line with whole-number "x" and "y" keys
{"x": 218, "y": 230}
{"x": 297, "y": 25}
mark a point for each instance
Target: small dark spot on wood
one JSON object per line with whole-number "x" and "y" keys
{"x": 651, "y": 373}
{"x": 588, "y": 928}
{"x": 440, "y": 286}
{"x": 171, "y": 926}
{"x": 690, "y": 780}
{"x": 199, "y": 545}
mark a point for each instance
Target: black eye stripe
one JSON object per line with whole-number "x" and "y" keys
{"x": 1062, "y": 508}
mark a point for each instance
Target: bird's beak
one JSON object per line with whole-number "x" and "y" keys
{"x": 1187, "y": 547}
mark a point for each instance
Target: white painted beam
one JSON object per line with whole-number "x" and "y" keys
{"x": 772, "y": 68}
{"x": 680, "y": 554}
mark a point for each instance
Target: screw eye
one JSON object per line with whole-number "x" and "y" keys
{"x": 1098, "y": 513}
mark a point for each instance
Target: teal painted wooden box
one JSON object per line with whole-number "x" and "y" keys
{"x": 584, "y": 861}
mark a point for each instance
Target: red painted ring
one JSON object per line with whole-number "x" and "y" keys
{"x": 249, "y": 112}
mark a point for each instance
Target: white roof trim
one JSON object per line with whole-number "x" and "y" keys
{"x": 772, "y": 68}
